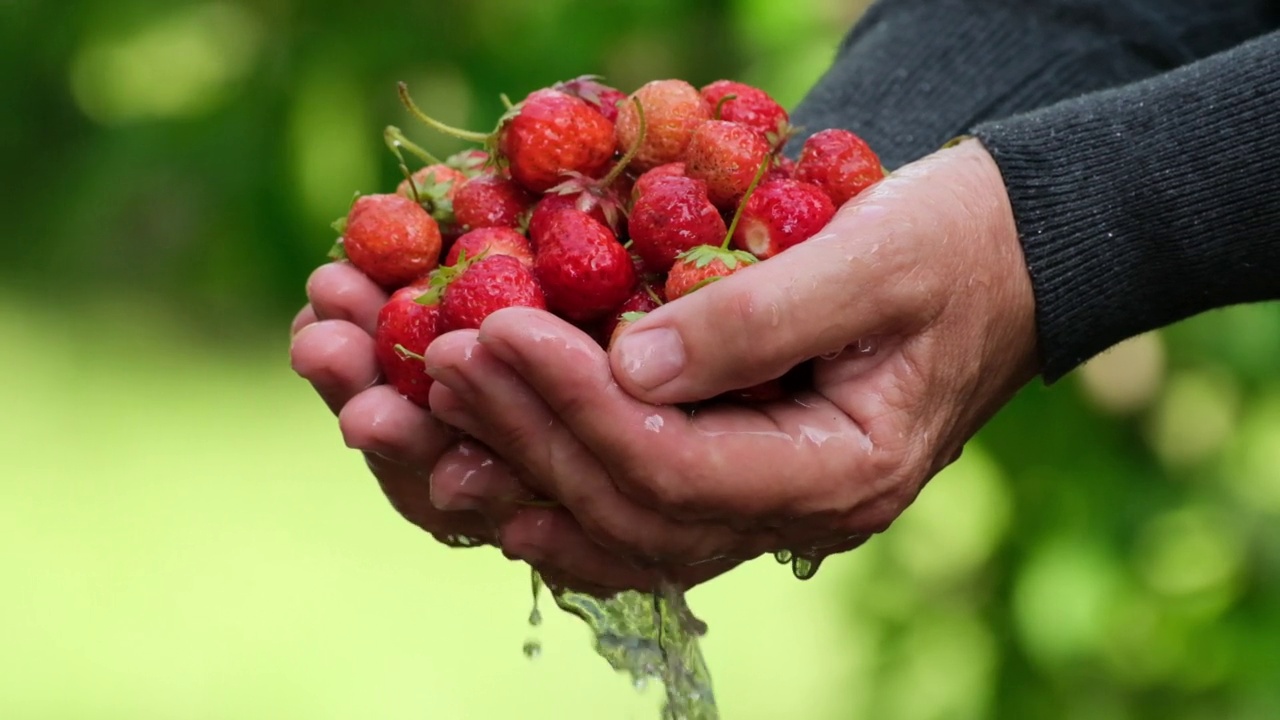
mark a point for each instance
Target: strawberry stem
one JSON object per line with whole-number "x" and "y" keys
{"x": 396, "y": 140}
{"x": 506, "y": 101}
{"x": 715, "y": 115}
{"x": 405, "y": 352}
{"x": 468, "y": 135}
{"x": 737, "y": 215}
{"x": 631, "y": 151}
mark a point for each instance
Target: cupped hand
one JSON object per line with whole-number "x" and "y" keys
{"x": 403, "y": 445}
{"x": 914, "y": 306}
{"x": 445, "y": 483}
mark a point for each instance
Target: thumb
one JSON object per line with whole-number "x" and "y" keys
{"x": 753, "y": 326}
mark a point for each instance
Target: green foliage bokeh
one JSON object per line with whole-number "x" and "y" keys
{"x": 1107, "y": 548}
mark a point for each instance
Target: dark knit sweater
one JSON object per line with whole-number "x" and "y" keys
{"x": 1139, "y": 141}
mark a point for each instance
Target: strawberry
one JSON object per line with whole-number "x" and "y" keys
{"x": 701, "y": 266}
{"x": 434, "y": 183}
{"x": 782, "y": 213}
{"x": 725, "y": 156}
{"x": 552, "y": 135}
{"x": 605, "y": 196}
{"x": 468, "y": 162}
{"x": 741, "y": 103}
{"x": 583, "y": 269}
{"x": 624, "y": 321}
{"x": 839, "y": 162}
{"x": 391, "y": 239}
{"x": 542, "y": 139}
{"x": 490, "y": 200}
{"x": 674, "y": 214}
{"x": 603, "y": 98}
{"x": 642, "y": 300}
{"x": 403, "y": 331}
{"x": 673, "y": 109}
{"x": 476, "y": 289}
{"x": 707, "y": 262}
{"x": 552, "y": 203}
{"x": 784, "y": 168}
{"x": 489, "y": 242}
{"x": 651, "y": 176}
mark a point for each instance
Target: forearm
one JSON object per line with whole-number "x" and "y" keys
{"x": 914, "y": 73}
{"x": 1144, "y": 205}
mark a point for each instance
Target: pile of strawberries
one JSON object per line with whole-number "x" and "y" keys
{"x": 594, "y": 205}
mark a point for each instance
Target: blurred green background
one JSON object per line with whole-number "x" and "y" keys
{"x": 183, "y": 536}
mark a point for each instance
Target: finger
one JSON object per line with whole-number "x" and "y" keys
{"x": 755, "y": 325}
{"x": 758, "y": 464}
{"x": 470, "y": 477}
{"x": 305, "y": 317}
{"x": 504, "y": 413}
{"x": 409, "y": 493}
{"x": 552, "y": 541}
{"x": 383, "y": 421}
{"x": 337, "y": 358}
{"x": 338, "y": 291}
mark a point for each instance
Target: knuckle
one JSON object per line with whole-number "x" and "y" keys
{"x": 606, "y": 530}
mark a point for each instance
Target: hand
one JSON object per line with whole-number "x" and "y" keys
{"x": 916, "y": 309}
{"x": 450, "y": 486}
{"x": 406, "y": 448}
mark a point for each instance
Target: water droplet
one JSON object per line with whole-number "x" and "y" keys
{"x": 804, "y": 568}
{"x": 782, "y": 556}
{"x": 640, "y": 683}
{"x": 532, "y": 649}
{"x": 535, "y": 581}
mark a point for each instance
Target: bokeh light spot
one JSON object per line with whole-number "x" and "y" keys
{"x": 182, "y": 64}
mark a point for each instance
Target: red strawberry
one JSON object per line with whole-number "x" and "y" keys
{"x": 642, "y": 300}
{"x": 553, "y": 134}
{"x": 701, "y": 266}
{"x": 672, "y": 215}
{"x": 783, "y": 168}
{"x": 650, "y": 177}
{"x": 839, "y": 162}
{"x": 779, "y": 214}
{"x": 391, "y": 239}
{"x": 483, "y": 287}
{"x": 672, "y": 110}
{"x": 549, "y": 205}
{"x": 725, "y": 156}
{"x": 404, "y": 330}
{"x": 469, "y": 162}
{"x": 545, "y": 137}
{"x": 749, "y": 106}
{"x": 625, "y": 320}
{"x": 489, "y": 242}
{"x": 490, "y": 200}
{"x": 583, "y": 269}
{"x": 434, "y": 183}
{"x": 603, "y": 98}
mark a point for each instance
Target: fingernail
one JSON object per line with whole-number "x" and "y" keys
{"x": 651, "y": 358}
{"x": 449, "y": 377}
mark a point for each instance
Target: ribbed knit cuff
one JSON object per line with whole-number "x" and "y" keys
{"x": 914, "y": 73}
{"x": 1142, "y": 206}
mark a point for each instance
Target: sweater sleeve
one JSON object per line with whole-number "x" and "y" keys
{"x": 1146, "y": 204}
{"x": 912, "y": 74}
